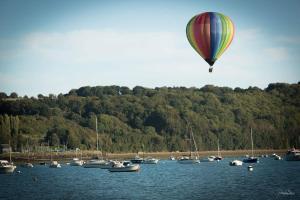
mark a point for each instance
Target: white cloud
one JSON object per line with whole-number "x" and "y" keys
{"x": 277, "y": 53}
{"x": 249, "y": 47}
{"x": 151, "y": 59}
{"x": 88, "y": 46}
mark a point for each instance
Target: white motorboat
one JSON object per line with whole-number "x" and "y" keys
{"x": 76, "y": 162}
{"x": 27, "y": 164}
{"x": 124, "y": 167}
{"x": 150, "y": 160}
{"x": 236, "y": 163}
{"x": 7, "y": 167}
{"x": 54, "y": 164}
{"x": 293, "y": 155}
{"x": 208, "y": 159}
{"x": 95, "y": 163}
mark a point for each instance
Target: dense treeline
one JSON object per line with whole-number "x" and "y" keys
{"x": 154, "y": 119}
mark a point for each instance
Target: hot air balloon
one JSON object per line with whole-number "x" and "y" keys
{"x": 210, "y": 34}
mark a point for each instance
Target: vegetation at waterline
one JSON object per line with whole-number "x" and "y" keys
{"x": 144, "y": 119}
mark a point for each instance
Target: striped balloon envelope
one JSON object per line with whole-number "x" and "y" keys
{"x": 210, "y": 34}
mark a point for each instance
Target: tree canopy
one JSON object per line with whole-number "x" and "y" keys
{"x": 131, "y": 120}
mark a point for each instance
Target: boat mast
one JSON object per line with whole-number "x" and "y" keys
{"x": 251, "y": 141}
{"x": 9, "y": 151}
{"x": 218, "y": 148}
{"x": 97, "y": 134}
{"x": 27, "y": 151}
{"x": 192, "y": 139}
{"x": 196, "y": 149}
{"x": 49, "y": 149}
{"x": 190, "y": 142}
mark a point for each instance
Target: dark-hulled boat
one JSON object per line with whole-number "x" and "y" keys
{"x": 293, "y": 155}
{"x": 251, "y": 159}
{"x": 137, "y": 160}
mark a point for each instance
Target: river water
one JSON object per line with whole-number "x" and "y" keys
{"x": 270, "y": 179}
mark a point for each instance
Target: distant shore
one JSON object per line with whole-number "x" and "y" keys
{"x": 85, "y": 155}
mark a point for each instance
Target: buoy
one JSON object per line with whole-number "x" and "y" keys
{"x": 250, "y": 168}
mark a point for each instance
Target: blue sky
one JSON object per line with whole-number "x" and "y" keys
{"x": 55, "y": 46}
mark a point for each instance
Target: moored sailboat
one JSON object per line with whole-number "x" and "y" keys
{"x": 97, "y": 162}
{"x": 76, "y": 161}
{"x": 5, "y": 166}
{"x": 251, "y": 159}
{"x": 53, "y": 163}
{"x": 27, "y": 164}
{"x": 218, "y": 157}
{"x": 191, "y": 159}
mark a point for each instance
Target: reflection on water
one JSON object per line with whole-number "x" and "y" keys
{"x": 270, "y": 179}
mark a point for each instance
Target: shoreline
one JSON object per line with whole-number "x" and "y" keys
{"x": 86, "y": 155}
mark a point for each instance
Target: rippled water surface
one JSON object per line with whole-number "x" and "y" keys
{"x": 270, "y": 179}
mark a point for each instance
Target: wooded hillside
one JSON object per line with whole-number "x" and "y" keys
{"x": 154, "y": 119}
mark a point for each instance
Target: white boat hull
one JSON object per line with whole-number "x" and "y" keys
{"x": 236, "y": 163}
{"x": 172, "y": 158}
{"x": 150, "y": 161}
{"x": 7, "y": 169}
{"x": 128, "y": 168}
{"x": 95, "y": 164}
